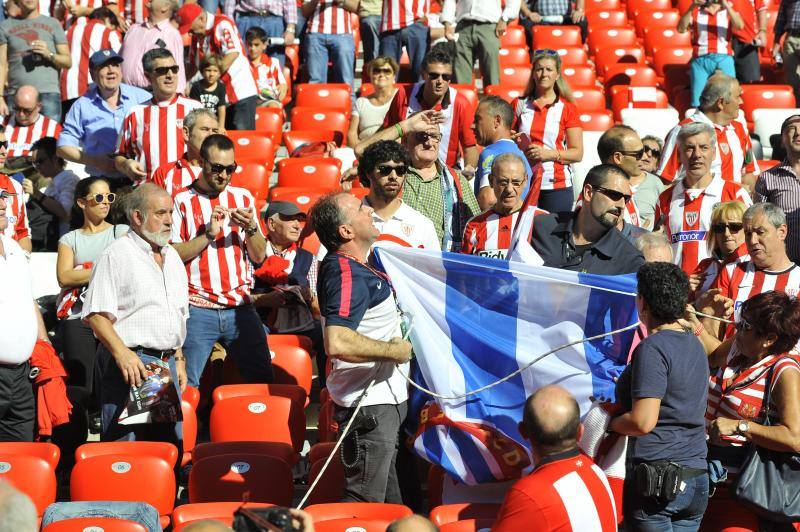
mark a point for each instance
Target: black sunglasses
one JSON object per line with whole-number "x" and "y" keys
{"x": 545, "y": 51}
{"x": 3, "y": 144}
{"x": 5, "y": 194}
{"x": 421, "y": 136}
{"x": 162, "y": 71}
{"x": 613, "y": 195}
{"x": 652, "y": 151}
{"x": 733, "y": 227}
{"x": 384, "y": 170}
{"x": 217, "y": 168}
{"x": 99, "y": 198}
{"x": 384, "y": 70}
{"x": 638, "y": 154}
{"x": 437, "y": 75}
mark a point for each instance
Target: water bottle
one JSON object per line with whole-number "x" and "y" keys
{"x": 276, "y": 41}
{"x": 778, "y": 59}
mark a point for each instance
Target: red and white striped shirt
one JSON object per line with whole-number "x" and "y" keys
{"x": 711, "y": 34}
{"x": 85, "y": 39}
{"x": 20, "y": 138}
{"x": 329, "y": 18}
{"x": 489, "y": 234}
{"x": 16, "y": 212}
{"x": 547, "y": 126}
{"x": 222, "y": 38}
{"x": 222, "y": 273}
{"x": 268, "y": 73}
{"x": 152, "y": 132}
{"x": 174, "y": 177}
{"x": 134, "y": 11}
{"x": 734, "y": 155}
{"x": 711, "y": 267}
{"x": 686, "y": 215}
{"x": 397, "y": 14}
{"x": 69, "y": 20}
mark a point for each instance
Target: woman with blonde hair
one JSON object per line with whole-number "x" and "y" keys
{"x": 367, "y": 117}
{"x": 549, "y": 130}
{"x": 725, "y": 242}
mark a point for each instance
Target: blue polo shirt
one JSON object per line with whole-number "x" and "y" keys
{"x": 94, "y": 127}
{"x": 487, "y": 158}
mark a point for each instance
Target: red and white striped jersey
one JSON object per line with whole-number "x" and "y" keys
{"x": 268, "y": 73}
{"x": 711, "y": 34}
{"x": 174, "y": 177}
{"x": 69, "y": 20}
{"x": 85, "y": 38}
{"x": 686, "y": 216}
{"x": 711, "y": 267}
{"x": 329, "y": 18}
{"x": 222, "y": 273}
{"x": 152, "y": 132}
{"x": 489, "y": 234}
{"x": 134, "y": 11}
{"x": 567, "y": 494}
{"x": 20, "y": 138}
{"x": 734, "y": 155}
{"x": 222, "y": 38}
{"x": 16, "y": 212}
{"x": 397, "y": 14}
{"x": 547, "y": 126}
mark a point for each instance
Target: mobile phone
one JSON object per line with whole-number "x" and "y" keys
{"x": 523, "y": 141}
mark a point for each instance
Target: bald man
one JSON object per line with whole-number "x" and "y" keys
{"x": 17, "y": 512}
{"x": 207, "y": 525}
{"x": 654, "y": 247}
{"x": 412, "y": 523}
{"x": 28, "y": 124}
{"x": 556, "y": 495}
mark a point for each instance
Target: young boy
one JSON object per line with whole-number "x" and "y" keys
{"x": 210, "y": 91}
{"x": 267, "y": 70}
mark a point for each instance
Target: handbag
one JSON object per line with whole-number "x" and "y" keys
{"x": 769, "y": 481}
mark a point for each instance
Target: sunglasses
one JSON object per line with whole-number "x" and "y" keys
{"x": 437, "y": 75}
{"x": 3, "y": 144}
{"x": 744, "y": 325}
{"x": 217, "y": 168}
{"x": 635, "y": 154}
{"x": 100, "y": 198}
{"x": 733, "y": 227}
{"x": 5, "y": 194}
{"x": 545, "y": 51}
{"x": 23, "y": 111}
{"x": 421, "y": 136}
{"x": 384, "y": 170}
{"x": 385, "y": 70}
{"x": 613, "y": 195}
{"x": 652, "y": 151}
{"x": 162, "y": 71}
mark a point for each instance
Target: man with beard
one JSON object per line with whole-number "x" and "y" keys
{"x": 216, "y": 233}
{"x": 136, "y": 304}
{"x": 586, "y": 240}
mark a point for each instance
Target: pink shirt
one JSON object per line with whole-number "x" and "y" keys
{"x": 142, "y": 37}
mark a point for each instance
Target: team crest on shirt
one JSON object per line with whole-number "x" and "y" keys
{"x": 407, "y": 229}
{"x": 725, "y": 148}
{"x": 691, "y": 218}
{"x": 11, "y": 220}
{"x": 198, "y": 219}
{"x": 179, "y": 123}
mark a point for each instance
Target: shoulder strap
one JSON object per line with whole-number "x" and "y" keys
{"x": 768, "y": 389}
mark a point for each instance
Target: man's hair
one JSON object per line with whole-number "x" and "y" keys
{"x": 545, "y": 435}
{"x": 718, "y": 87}
{"x": 139, "y": 199}
{"x": 255, "y": 32}
{"x": 150, "y": 56}
{"x": 220, "y": 142}
{"x": 17, "y": 511}
{"x": 381, "y": 152}
{"x": 47, "y": 146}
{"x": 416, "y": 522}
{"x": 775, "y": 215}
{"x": 191, "y": 118}
{"x": 326, "y": 216}
{"x": 650, "y": 240}
{"x": 508, "y": 157}
{"x": 437, "y": 55}
{"x": 665, "y": 289}
{"x": 599, "y": 175}
{"x": 611, "y": 141}
{"x": 696, "y": 128}
{"x": 496, "y": 106}
{"x": 103, "y": 13}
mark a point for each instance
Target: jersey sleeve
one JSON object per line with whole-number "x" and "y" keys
{"x": 723, "y": 280}
{"x": 226, "y": 38}
{"x": 669, "y": 164}
{"x": 344, "y": 298}
{"x": 468, "y": 242}
{"x": 518, "y": 512}
{"x": 465, "y": 117}
{"x": 571, "y": 116}
{"x": 126, "y": 136}
{"x": 396, "y": 109}
{"x": 180, "y": 231}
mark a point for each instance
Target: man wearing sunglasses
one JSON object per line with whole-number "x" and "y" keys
{"x": 59, "y": 196}
{"x": 16, "y": 213}
{"x": 28, "y": 124}
{"x": 217, "y": 235}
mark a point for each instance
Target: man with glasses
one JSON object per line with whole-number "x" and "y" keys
{"x": 684, "y": 210}
{"x": 152, "y": 133}
{"x": 27, "y": 124}
{"x": 15, "y": 212}
{"x": 59, "y": 196}
{"x": 587, "y": 239}
{"x": 217, "y": 235}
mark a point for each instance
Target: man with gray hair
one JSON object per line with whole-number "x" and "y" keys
{"x": 654, "y": 247}
{"x": 17, "y": 512}
{"x": 137, "y": 305}
{"x": 684, "y": 210}
{"x": 719, "y": 108}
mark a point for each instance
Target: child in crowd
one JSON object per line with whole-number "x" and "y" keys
{"x": 209, "y": 90}
{"x": 267, "y": 70}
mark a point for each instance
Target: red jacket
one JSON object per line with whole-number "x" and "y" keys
{"x": 52, "y": 406}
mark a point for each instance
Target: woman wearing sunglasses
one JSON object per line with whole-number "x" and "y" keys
{"x": 77, "y": 252}
{"x": 549, "y": 130}
{"x": 370, "y": 110}
{"x": 652, "y": 152}
{"x": 725, "y": 242}
{"x": 768, "y": 328}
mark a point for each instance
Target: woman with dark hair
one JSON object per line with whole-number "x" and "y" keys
{"x": 664, "y": 391}
{"x": 767, "y": 330}
{"x": 549, "y": 130}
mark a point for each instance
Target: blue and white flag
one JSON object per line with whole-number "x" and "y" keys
{"x": 477, "y": 320}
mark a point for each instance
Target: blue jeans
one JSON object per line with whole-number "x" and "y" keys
{"x": 272, "y": 25}
{"x": 684, "y": 513}
{"x": 240, "y": 332}
{"x": 51, "y": 105}
{"x": 210, "y": 5}
{"x": 415, "y": 38}
{"x": 341, "y": 49}
{"x": 703, "y": 67}
{"x": 140, "y": 512}
{"x": 370, "y": 28}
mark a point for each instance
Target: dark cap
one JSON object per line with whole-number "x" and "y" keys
{"x": 101, "y": 57}
{"x": 287, "y": 208}
{"x": 789, "y": 120}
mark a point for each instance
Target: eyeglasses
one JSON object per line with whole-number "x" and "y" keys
{"x": 545, "y": 51}
{"x": 23, "y": 111}
{"x": 3, "y": 144}
{"x": 162, "y": 71}
{"x": 437, "y": 75}
{"x": 421, "y": 136}
{"x": 743, "y": 324}
{"x": 384, "y": 170}
{"x": 613, "y": 195}
{"x": 385, "y": 70}
{"x": 5, "y": 194}
{"x": 638, "y": 154}
{"x": 217, "y": 168}
{"x": 100, "y": 198}
{"x": 733, "y": 227}
{"x": 652, "y": 151}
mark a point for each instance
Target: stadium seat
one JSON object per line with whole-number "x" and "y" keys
{"x": 766, "y": 123}
{"x": 613, "y": 55}
{"x": 572, "y": 55}
{"x": 657, "y": 122}
{"x": 291, "y": 339}
{"x": 634, "y": 6}
{"x": 435, "y": 485}
{"x": 658, "y": 38}
{"x": 468, "y": 525}
{"x": 313, "y": 118}
{"x": 601, "y": 37}
{"x": 227, "y": 477}
{"x": 506, "y": 92}
{"x": 515, "y": 76}
{"x": 318, "y": 172}
{"x": 254, "y": 176}
{"x": 596, "y": 120}
{"x": 449, "y": 513}
{"x": 295, "y": 138}
{"x": 358, "y": 510}
{"x": 284, "y": 451}
{"x": 514, "y": 36}
{"x": 218, "y": 511}
{"x": 310, "y": 242}
{"x": 134, "y": 478}
{"x": 666, "y": 59}
{"x": 290, "y": 391}
{"x": 626, "y": 74}
{"x": 32, "y": 475}
{"x": 579, "y": 76}
{"x": 765, "y": 97}
{"x": 319, "y": 451}
{"x": 352, "y": 525}
{"x": 600, "y": 5}
{"x": 156, "y": 449}
{"x": 515, "y": 56}
{"x": 269, "y": 120}
{"x": 48, "y": 452}
{"x": 607, "y": 19}
{"x": 293, "y": 59}
{"x": 189, "y": 431}
{"x": 655, "y": 19}
{"x": 324, "y": 96}
{"x": 326, "y": 426}
{"x": 192, "y": 396}
{"x": 552, "y": 37}
{"x": 95, "y": 524}
{"x": 291, "y": 365}
{"x": 303, "y": 197}
{"x": 330, "y": 487}
{"x": 637, "y": 97}
{"x": 258, "y": 418}
{"x": 589, "y": 99}
{"x": 468, "y": 92}
{"x": 253, "y": 145}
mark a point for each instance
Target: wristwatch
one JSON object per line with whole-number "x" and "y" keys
{"x": 742, "y": 427}
{"x": 250, "y": 231}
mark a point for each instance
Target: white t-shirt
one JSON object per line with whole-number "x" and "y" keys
{"x": 19, "y": 327}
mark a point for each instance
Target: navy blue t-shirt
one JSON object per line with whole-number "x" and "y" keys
{"x": 672, "y": 366}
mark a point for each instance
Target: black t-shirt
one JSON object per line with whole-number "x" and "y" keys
{"x": 672, "y": 366}
{"x": 210, "y": 99}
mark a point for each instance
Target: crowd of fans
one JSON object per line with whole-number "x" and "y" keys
{"x": 115, "y": 154}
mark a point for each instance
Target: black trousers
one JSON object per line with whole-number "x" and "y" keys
{"x": 745, "y": 59}
{"x": 17, "y": 403}
{"x": 79, "y": 348}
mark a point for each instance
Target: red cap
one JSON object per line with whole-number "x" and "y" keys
{"x": 186, "y": 15}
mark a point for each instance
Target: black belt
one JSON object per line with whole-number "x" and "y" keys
{"x": 162, "y": 354}
{"x": 260, "y": 13}
{"x": 13, "y": 366}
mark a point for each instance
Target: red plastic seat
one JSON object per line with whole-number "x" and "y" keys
{"x": 105, "y": 524}
{"x": 449, "y": 513}
{"x": 553, "y": 37}
{"x": 291, "y": 339}
{"x": 330, "y": 487}
{"x": 294, "y": 393}
{"x": 293, "y": 59}
{"x": 636, "y": 97}
{"x": 129, "y": 477}
{"x": 258, "y": 418}
{"x": 310, "y": 242}
{"x": 596, "y": 120}
{"x": 607, "y": 19}
{"x": 192, "y": 396}
{"x": 514, "y": 36}
{"x": 32, "y": 475}
{"x": 467, "y": 525}
{"x": 515, "y": 56}
{"x": 664, "y": 58}
{"x": 269, "y": 120}
{"x": 467, "y": 91}
{"x": 291, "y": 365}
{"x": 156, "y": 449}
{"x": 320, "y": 451}
{"x": 189, "y": 431}
{"x": 48, "y": 452}
{"x": 600, "y": 5}
{"x": 253, "y": 145}
{"x": 612, "y": 55}
{"x": 506, "y": 92}
{"x": 253, "y": 176}
{"x": 284, "y": 451}
{"x": 633, "y": 6}
{"x": 324, "y": 96}
{"x": 317, "y": 172}
{"x": 435, "y": 486}
{"x": 303, "y": 197}
{"x": 516, "y": 76}
{"x": 655, "y": 19}
{"x": 572, "y": 55}
{"x": 327, "y": 428}
{"x": 358, "y": 510}
{"x": 658, "y": 38}
{"x": 579, "y": 76}
{"x": 229, "y": 477}
{"x": 352, "y": 525}
{"x": 314, "y": 118}
{"x": 296, "y": 138}
{"x": 625, "y": 74}
{"x": 601, "y": 37}
{"x": 218, "y": 511}
{"x": 589, "y": 99}
{"x": 766, "y": 97}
